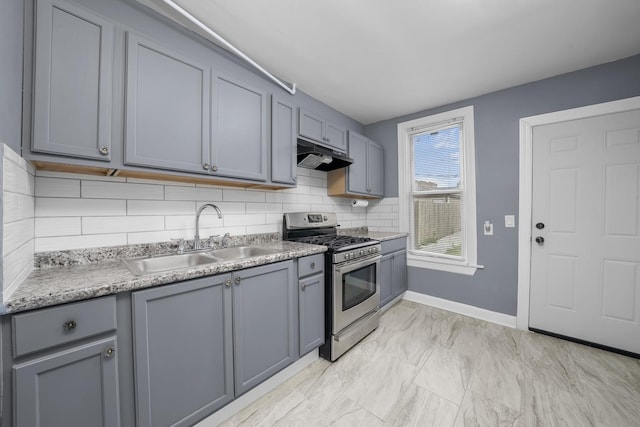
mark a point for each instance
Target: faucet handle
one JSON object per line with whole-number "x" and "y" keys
{"x": 212, "y": 241}
{"x": 180, "y": 244}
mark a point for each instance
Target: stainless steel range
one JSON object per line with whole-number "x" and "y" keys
{"x": 352, "y": 294}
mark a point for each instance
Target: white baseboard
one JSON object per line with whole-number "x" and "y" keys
{"x": 457, "y": 307}
{"x": 260, "y": 390}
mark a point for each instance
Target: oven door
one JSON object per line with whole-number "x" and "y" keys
{"x": 355, "y": 291}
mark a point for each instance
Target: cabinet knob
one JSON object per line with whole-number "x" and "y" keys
{"x": 214, "y": 168}
{"x": 109, "y": 352}
{"x": 104, "y": 150}
{"x": 238, "y": 280}
{"x": 70, "y": 325}
{"x": 313, "y": 265}
{"x": 205, "y": 166}
{"x": 227, "y": 282}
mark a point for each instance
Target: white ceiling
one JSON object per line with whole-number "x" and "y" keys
{"x": 379, "y": 59}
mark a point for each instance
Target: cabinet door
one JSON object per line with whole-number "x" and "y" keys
{"x": 73, "y": 82}
{"x": 336, "y": 136}
{"x": 375, "y": 169}
{"x": 399, "y": 279}
{"x": 357, "y": 172}
{"x": 75, "y": 387}
{"x": 167, "y": 108}
{"x": 386, "y": 279}
{"x": 183, "y": 351}
{"x": 239, "y": 142}
{"x": 283, "y": 141}
{"x": 311, "y": 126}
{"x": 265, "y": 318}
{"x": 311, "y": 300}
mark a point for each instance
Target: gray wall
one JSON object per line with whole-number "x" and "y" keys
{"x": 497, "y": 137}
{"x": 11, "y": 73}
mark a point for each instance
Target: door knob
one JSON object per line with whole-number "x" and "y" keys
{"x": 540, "y": 226}
{"x": 540, "y": 240}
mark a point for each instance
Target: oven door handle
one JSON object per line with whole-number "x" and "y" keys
{"x": 356, "y": 265}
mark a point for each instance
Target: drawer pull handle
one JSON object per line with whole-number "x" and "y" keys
{"x": 109, "y": 352}
{"x": 70, "y": 325}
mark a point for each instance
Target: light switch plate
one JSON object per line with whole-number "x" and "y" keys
{"x": 509, "y": 221}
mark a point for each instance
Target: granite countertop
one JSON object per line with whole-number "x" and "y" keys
{"x": 62, "y": 278}
{"x": 377, "y": 235}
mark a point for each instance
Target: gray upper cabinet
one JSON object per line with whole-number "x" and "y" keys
{"x": 283, "y": 141}
{"x": 318, "y": 129}
{"x": 72, "y": 82}
{"x": 183, "y": 351}
{"x": 167, "y": 108}
{"x": 365, "y": 177}
{"x": 265, "y": 322}
{"x": 375, "y": 169}
{"x": 239, "y": 130}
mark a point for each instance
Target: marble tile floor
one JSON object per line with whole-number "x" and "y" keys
{"x": 429, "y": 367}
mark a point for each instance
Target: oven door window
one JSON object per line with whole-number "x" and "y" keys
{"x": 358, "y": 285}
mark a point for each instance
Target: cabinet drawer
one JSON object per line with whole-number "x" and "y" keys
{"x": 389, "y": 246}
{"x": 41, "y": 329}
{"x": 312, "y": 264}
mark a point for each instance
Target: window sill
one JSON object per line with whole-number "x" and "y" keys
{"x": 432, "y": 263}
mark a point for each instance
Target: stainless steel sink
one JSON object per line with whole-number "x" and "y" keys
{"x": 142, "y": 266}
{"x": 241, "y": 252}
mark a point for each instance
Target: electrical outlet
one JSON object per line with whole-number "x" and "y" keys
{"x": 488, "y": 228}
{"x": 509, "y": 221}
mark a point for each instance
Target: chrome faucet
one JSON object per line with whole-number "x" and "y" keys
{"x": 196, "y": 242}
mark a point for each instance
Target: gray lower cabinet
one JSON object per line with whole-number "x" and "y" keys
{"x": 198, "y": 344}
{"x": 75, "y": 387}
{"x": 64, "y": 365}
{"x": 283, "y": 141}
{"x": 167, "y": 108}
{"x": 393, "y": 270}
{"x": 318, "y": 129}
{"x": 72, "y": 81}
{"x": 183, "y": 353}
{"x": 311, "y": 293}
{"x": 265, "y": 322}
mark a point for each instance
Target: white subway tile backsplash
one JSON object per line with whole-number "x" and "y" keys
{"x": 51, "y": 207}
{"x": 44, "y": 244}
{"x": 121, "y": 224}
{"x": 264, "y": 207}
{"x": 15, "y": 234}
{"x": 152, "y": 207}
{"x": 229, "y": 195}
{"x": 16, "y": 206}
{"x": 57, "y": 187}
{"x": 226, "y": 208}
{"x": 16, "y": 266}
{"x": 80, "y": 176}
{"x": 58, "y": 226}
{"x": 138, "y": 211}
{"x": 121, "y": 190}
{"x": 205, "y": 194}
{"x": 247, "y": 219}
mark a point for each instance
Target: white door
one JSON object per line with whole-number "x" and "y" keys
{"x": 585, "y": 275}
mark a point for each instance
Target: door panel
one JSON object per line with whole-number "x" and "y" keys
{"x": 585, "y": 275}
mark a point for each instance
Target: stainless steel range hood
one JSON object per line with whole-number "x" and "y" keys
{"x": 314, "y": 156}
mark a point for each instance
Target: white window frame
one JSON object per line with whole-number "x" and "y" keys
{"x": 468, "y": 265}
